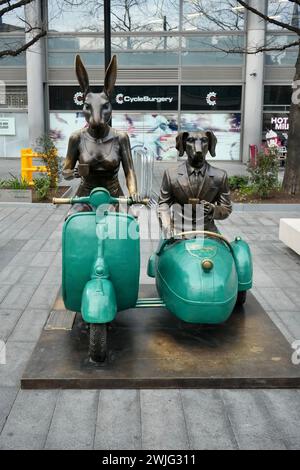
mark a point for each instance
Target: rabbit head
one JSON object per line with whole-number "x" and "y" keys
{"x": 97, "y": 107}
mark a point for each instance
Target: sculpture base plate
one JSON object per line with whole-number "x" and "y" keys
{"x": 150, "y": 348}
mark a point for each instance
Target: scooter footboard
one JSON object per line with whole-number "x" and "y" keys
{"x": 99, "y": 303}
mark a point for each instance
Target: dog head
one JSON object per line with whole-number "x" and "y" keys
{"x": 196, "y": 145}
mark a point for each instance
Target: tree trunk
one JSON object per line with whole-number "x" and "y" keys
{"x": 291, "y": 181}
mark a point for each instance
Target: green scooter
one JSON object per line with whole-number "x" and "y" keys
{"x": 101, "y": 264}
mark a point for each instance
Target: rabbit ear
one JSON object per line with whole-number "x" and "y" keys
{"x": 212, "y": 142}
{"x": 180, "y": 142}
{"x": 110, "y": 76}
{"x": 82, "y": 75}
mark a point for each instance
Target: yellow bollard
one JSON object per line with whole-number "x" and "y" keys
{"x": 27, "y": 167}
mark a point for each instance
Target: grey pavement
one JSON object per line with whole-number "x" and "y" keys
{"x": 30, "y": 271}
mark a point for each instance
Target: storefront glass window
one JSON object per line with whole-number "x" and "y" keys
{"x": 16, "y": 137}
{"x": 147, "y": 51}
{"x": 285, "y": 57}
{"x": 14, "y": 97}
{"x": 219, "y": 15}
{"x": 277, "y": 97}
{"x": 12, "y": 21}
{"x": 137, "y": 15}
{"x": 227, "y": 128}
{"x": 284, "y": 11}
{"x": 152, "y": 132}
{"x": 212, "y": 50}
{"x": 12, "y": 43}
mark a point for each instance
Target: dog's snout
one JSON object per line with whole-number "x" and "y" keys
{"x": 198, "y": 146}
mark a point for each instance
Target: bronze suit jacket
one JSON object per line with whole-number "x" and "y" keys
{"x": 176, "y": 191}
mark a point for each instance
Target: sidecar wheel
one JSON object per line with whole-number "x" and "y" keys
{"x": 98, "y": 342}
{"x": 241, "y": 298}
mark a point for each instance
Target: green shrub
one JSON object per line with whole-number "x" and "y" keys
{"x": 14, "y": 183}
{"x": 237, "y": 182}
{"x": 42, "y": 185}
{"x": 49, "y": 155}
{"x": 264, "y": 173}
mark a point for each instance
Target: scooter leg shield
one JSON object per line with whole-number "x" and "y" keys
{"x": 99, "y": 303}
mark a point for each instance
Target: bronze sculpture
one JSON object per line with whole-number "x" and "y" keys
{"x": 193, "y": 183}
{"x": 99, "y": 149}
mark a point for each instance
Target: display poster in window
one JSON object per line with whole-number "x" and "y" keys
{"x": 227, "y": 128}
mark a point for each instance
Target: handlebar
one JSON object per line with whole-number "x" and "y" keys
{"x": 98, "y": 201}
{"x": 62, "y": 200}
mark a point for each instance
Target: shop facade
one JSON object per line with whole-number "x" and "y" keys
{"x": 174, "y": 75}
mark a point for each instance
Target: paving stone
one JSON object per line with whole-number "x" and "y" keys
{"x": 29, "y": 325}
{"x": 8, "y": 320}
{"x": 260, "y": 278}
{"x": 52, "y": 276}
{"x": 207, "y": 422}
{"x": 33, "y": 245}
{"x": 284, "y": 407}
{"x": 288, "y": 323}
{"x": 259, "y": 297}
{"x": 10, "y": 275}
{"x": 277, "y": 299}
{"x": 280, "y": 325}
{"x": 3, "y": 291}
{"x": 29, "y": 420}
{"x": 6, "y": 257}
{"x": 23, "y": 258}
{"x": 44, "y": 297}
{"x": 7, "y": 398}
{"x": 18, "y": 296}
{"x": 33, "y": 276}
{"x": 251, "y": 421}
{"x": 45, "y": 231}
{"x": 17, "y": 356}
{"x": 119, "y": 420}
{"x": 14, "y": 245}
{"x": 76, "y": 410}
{"x": 52, "y": 245}
{"x": 279, "y": 280}
{"x": 43, "y": 259}
{"x": 163, "y": 420}
{"x": 58, "y": 259}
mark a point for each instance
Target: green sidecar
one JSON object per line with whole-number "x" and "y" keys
{"x": 201, "y": 279}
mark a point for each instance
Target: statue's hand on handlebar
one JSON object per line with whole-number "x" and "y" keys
{"x": 208, "y": 207}
{"x": 135, "y": 197}
{"x": 76, "y": 173}
{"x": 70, "y": 174}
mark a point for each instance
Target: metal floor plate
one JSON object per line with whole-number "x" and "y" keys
{"x": 150, "y": 348}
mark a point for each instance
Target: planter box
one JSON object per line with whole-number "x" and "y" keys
{"x": 25, "y": 195}
{"x": 15, "y": 195}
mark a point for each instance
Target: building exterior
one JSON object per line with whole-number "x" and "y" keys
{"x": 175, "y": 72}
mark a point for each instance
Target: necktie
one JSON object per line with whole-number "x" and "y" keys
{"x": 196, "y": 175}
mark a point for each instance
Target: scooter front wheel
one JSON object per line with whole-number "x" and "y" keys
{"x": 98, "y": 342}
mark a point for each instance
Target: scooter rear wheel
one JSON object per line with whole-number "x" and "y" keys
{"x": 98, "y": 342}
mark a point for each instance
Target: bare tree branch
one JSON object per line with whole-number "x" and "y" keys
{"x": 14, "y": 53}
{"x": 268, "y": 19}
{"x": 13, "y": 6}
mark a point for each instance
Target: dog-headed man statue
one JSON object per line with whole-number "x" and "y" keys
{"x": 195, "y": 190}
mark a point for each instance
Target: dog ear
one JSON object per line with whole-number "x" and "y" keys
{"x": 181, "y": 142}
{"x": 110, "y": 76}
{"x": 82, "y": 75}
{"x": 212, "y": 142}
